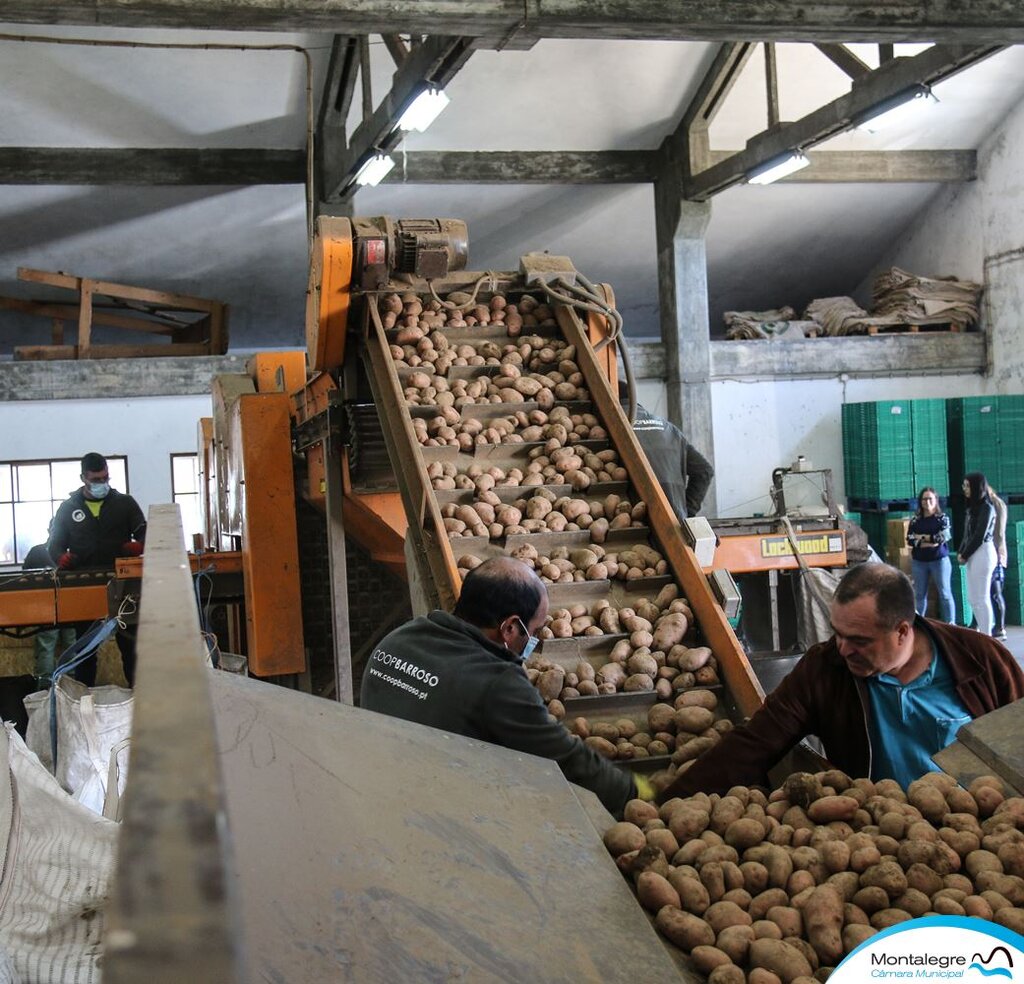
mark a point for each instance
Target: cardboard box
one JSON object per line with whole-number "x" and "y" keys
{"x": 895, "y": 539}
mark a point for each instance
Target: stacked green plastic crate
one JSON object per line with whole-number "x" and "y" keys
{"x": 1014, "y": 570}
{"x": 877, "y": 449}
{"x": 892, "y": 449}
{"x": 973, "y": 434}
{"x": 1010, "y": 434}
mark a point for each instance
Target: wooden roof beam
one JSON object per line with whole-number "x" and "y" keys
{"x": 931, "y": 66}
{"x": 843, "y": 58}
{"x": 952, "y": 21}
{"x": 434, "y": 62}
{"x": 148, "y": 166}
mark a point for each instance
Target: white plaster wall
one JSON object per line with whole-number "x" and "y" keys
{"x": 147, "y": 431}
{"x": 973, "y": 231}
{"x": 977, "y": 231}
{"x": 760, "y": 426}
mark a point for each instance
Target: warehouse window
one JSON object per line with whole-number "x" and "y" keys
{"x": 185, "y": 492}
{"x": 31, "y": 491}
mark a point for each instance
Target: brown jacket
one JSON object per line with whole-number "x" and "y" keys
{"x": 821, "y": 697}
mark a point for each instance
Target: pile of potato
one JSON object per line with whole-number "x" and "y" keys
{"x": 559, "y": 430}
{"x": 632, "y": 666}
{"x": 544, "y": 512}
{"x": 688, "y": 727}
{"x": 563, "y": 565}
{"x": 778, "y": 889}
{"x": 411, "y": 310}
{"x": 509, "y": 385}
{"x": 435, "y": 353}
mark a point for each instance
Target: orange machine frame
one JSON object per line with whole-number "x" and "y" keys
{"x": 252, "y": 445}
{"x": 749, "y": 553}
{"x": 375, "y": 520}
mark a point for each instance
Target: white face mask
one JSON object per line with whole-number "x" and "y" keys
{"x": 531, "y": 643}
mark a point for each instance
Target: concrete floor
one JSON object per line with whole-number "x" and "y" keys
{"x": 1015, "y": 641}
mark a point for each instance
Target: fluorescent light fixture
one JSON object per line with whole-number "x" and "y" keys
{"x": 777, "y": 167}
{"x": 423, "y": 110}
{"x": 375, "y": 170}
{"x": 895, "y": 109}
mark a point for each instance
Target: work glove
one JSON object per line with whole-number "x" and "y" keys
{"x": 131, "y": 548}
{"x": 66, "y": 561}
{"x": 644, "y": 788}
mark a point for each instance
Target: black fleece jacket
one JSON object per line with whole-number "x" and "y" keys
{"x": 443, "y": 672}
{"x": 95, "y": 540}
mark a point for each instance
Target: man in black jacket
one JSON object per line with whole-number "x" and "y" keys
{"x": 683, "y": 472}
{"x": 93, "y": 526}
{"x": 463, "y": 673}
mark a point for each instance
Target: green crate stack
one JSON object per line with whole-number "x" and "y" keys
{"x": 973, "y": 439}
{"x": 964, "y": 612}
{"x": 1014, "y": 571}
{"x": 1010, "y": 431}
{"x": 928, "y": 445}
{"x": 874, "y": 522}
{"x": 852, "y": 516}
{"x": 877, "y": 449}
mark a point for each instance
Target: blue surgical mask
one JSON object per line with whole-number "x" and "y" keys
{"x": 531, "y": 643}
{"x": 99, "y": 490}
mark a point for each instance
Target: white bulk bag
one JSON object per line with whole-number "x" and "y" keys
{"x": 56, "y": 864}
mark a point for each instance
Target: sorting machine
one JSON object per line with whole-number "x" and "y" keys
{"x": 344, "y": 411}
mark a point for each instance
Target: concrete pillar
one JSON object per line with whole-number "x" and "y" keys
{"x": 683, "y": 296}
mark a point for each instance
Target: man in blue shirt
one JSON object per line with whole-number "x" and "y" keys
{"x": 884, "y": 694}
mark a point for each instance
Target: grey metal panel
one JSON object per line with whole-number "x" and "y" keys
{"x": 371, "y": 849}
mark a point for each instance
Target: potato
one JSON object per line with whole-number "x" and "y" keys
{"x": 829, "y": 808}
{"x": 1011, "y": 918}
{"x": 767, "y": 900}
{"x": 887, "y": 875}
{"x": 707, "y": 958}
{"x": 734, "y": 941}
{"x": 854, "y": 934}
{"x": 693, "y": 720}
{"x": 654, "y": 891}
{"x": 670, "y": 631}
{"x": 687, "y": 931}
{"x": 744, "y": 833}
{"x": 789, "y": 920}
{"x": 727, "y": 974}
{"x": 693, "y": 896}
{"x": 622, "y": 837}
{"x": 765, "y": 929}
{"x": 780, "y": 958}
{"x": 885, "y": 918}
{"x": 823, "y": 919}
{"x": 978, "y": 861}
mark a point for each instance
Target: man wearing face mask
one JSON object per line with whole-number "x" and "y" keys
{"x": 92, "y": 527}
{"x": 463, "y": 673}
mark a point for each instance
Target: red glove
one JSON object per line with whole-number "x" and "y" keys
{"x": 67, "y": 561}
{"x": 131, "y": 548}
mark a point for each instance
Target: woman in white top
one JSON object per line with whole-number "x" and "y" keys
{"x": 977, "y": 550}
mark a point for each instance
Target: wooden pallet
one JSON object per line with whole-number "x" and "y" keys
{"x": 193, "y": 325}
{"x": 887, "y": 329}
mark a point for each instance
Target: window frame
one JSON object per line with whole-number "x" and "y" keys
{"x": 56, "y": 497}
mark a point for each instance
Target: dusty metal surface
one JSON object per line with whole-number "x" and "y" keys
{"x": 371, "y": 849}
{"x": 995, "y": 740}
{"x": 170, "y": 915}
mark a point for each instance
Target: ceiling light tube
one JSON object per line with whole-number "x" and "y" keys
{"x": 423, "y": 110}
{"x": 899, "y": 107}
{"x": 777, "y": 167}
{"x": 374, "y": 170}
